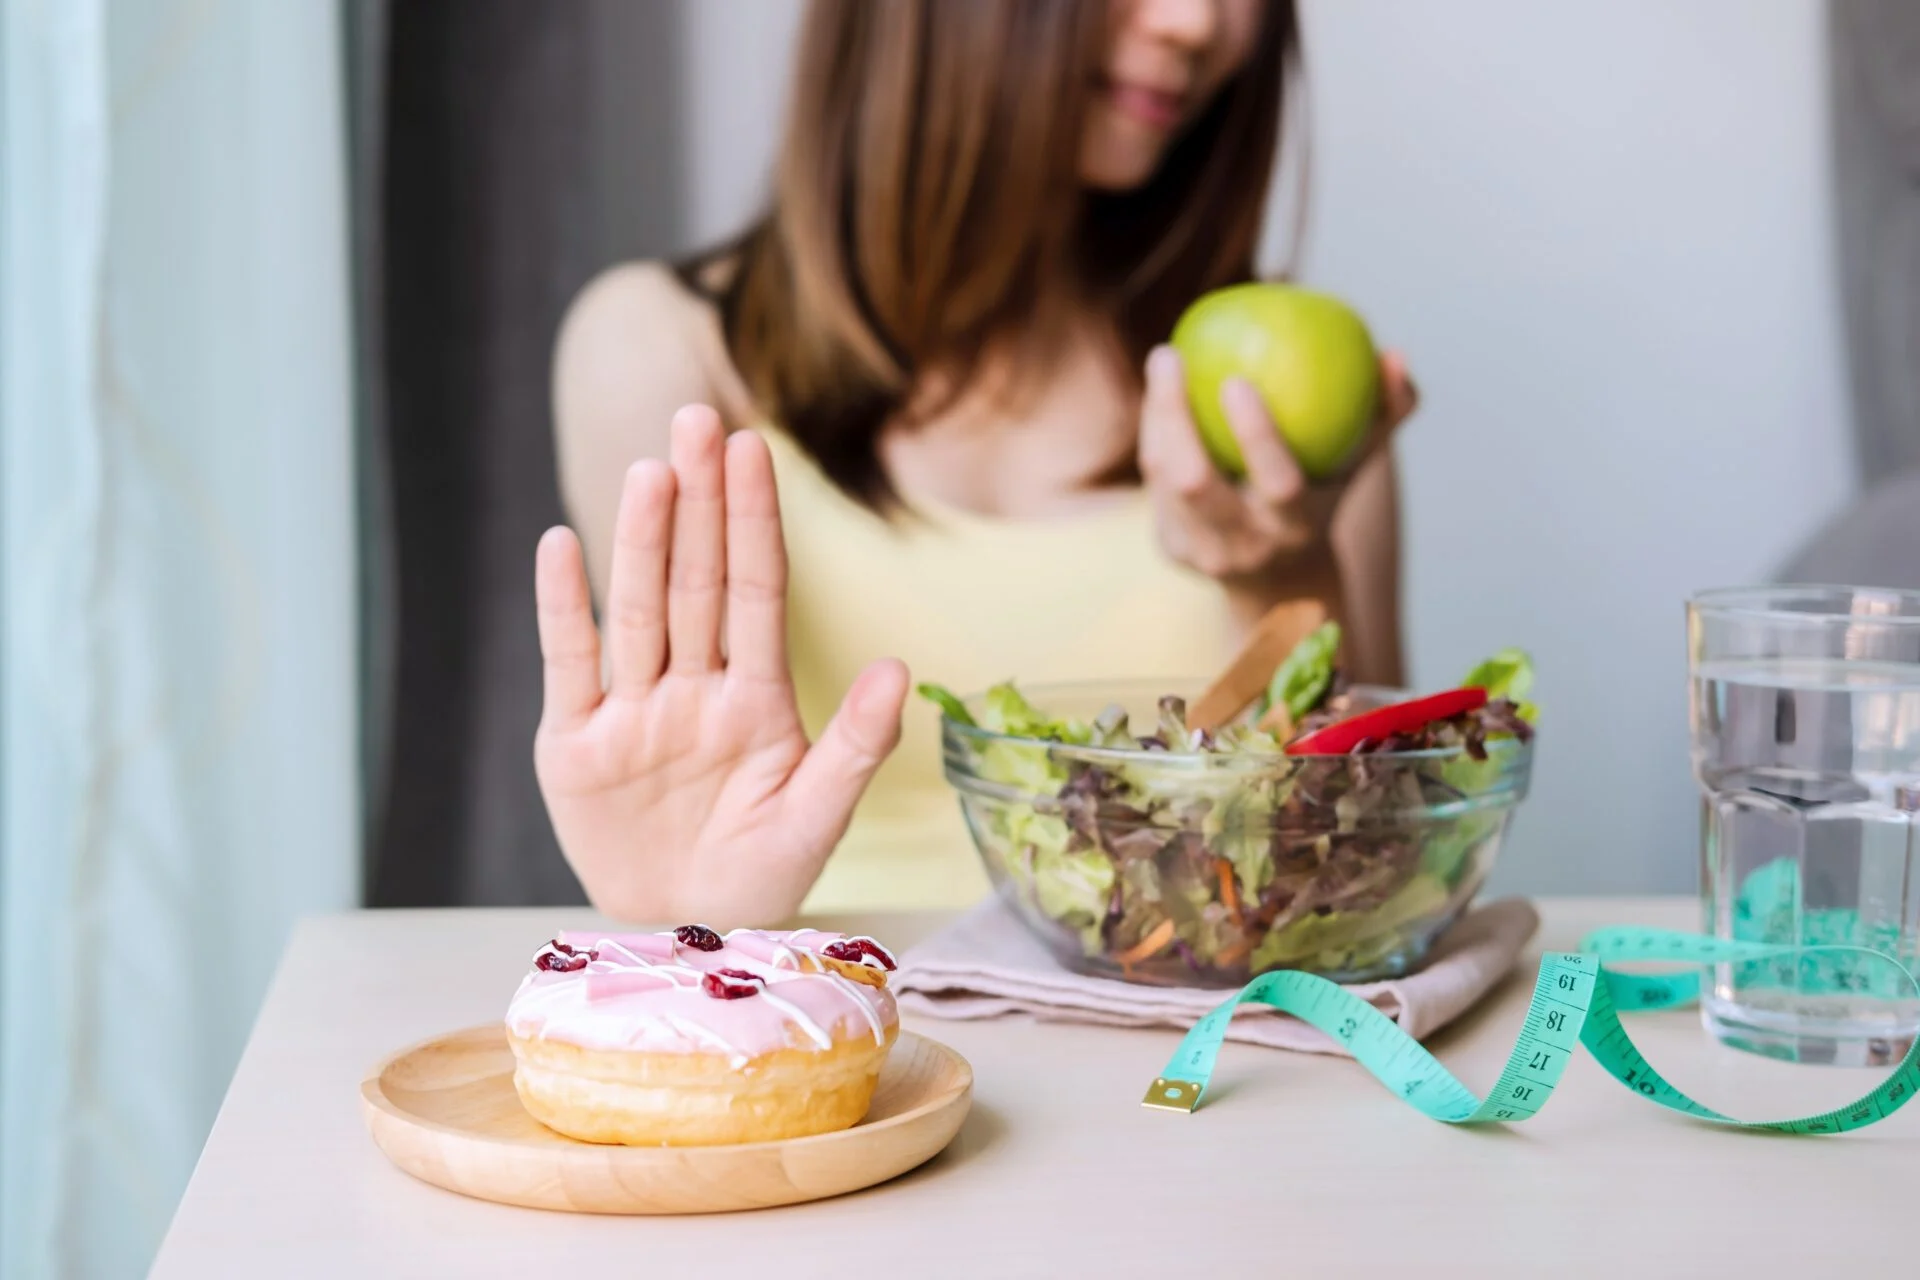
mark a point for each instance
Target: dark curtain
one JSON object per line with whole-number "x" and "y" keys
{"x": 505, "y": 152}
{"x": 1874, "y": 74}
{"x": 1873, "y": 51}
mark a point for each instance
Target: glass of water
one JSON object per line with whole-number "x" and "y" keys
{"x": 1805, "y": 708}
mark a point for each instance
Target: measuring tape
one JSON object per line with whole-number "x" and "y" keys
{"x": 1576, "y": 1000}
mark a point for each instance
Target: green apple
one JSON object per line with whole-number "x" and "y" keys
{"x": 1310, "y": 357}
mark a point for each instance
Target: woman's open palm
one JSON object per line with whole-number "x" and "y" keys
{"x": 684, "y": 788}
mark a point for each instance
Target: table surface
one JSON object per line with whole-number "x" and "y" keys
{"x": 1298, "y": 1160}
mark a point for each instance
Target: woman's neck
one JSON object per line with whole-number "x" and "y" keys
{"x": 1036, "y": 433}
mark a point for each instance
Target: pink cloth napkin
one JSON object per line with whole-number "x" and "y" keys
{"x": 986, "y": 964}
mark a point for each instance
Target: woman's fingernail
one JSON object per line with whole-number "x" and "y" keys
{"x": 1162, "y": 362}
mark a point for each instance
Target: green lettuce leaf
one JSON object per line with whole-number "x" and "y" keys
{"x": 1345, "y": 939}
{"x": 1026, "y": 766}
{"x": 1017, "y": 836}
{"x": 1304, "y": 675}
{"x": 1073, "y": 887}
{"x": 1444, "y": 853}
{"x": 1004, "y": 709}
{"x": 950, "y": 706}
{"x": 1240, "y": 829}
{"x": 1209, "y": 930}
{"x": 1110, "y": 729}
{"x": 1507, "y": 674}
{"x": 1028, "y": 828}
{"x": 1141, "y": 906}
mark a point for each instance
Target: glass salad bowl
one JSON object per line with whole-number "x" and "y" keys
{"x": 1184, "y": 867}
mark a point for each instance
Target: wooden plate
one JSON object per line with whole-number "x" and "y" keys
{"x": 446, "y": 1112}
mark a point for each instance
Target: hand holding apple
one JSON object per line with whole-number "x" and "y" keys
{"x": 1245, "y": 499}
{"x": 1309, "y": 356}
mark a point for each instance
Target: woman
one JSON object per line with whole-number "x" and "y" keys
{"x": 939, "y": 345}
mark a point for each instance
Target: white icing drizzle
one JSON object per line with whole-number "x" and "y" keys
{"x": 860, "y": 1003}
{"x": 608, "y": 944}
{"x": 800, "y": 1019}
{"x": 784, "y": 956}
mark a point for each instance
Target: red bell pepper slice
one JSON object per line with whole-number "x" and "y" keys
{"x": 1342, "y": 736}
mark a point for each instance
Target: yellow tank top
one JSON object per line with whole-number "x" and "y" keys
{"x": 965, "y": 601}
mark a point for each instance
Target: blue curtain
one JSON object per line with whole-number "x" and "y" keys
{"x": 177, "y": 599}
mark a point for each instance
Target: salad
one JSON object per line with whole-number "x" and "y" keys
{"x": 1322, "y": 828}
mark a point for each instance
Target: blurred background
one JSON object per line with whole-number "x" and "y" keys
{"x": 279, "y": 288}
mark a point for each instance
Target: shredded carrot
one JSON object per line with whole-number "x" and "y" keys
{"x": 1232, "y": 952}
{"x": 1159, "y": 936}
{"x": 1228, "y": 894}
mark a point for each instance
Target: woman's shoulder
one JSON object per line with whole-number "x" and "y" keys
{"x": 637, "y": 338}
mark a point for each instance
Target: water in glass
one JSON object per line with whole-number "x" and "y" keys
{"x": 1806, "y": 746}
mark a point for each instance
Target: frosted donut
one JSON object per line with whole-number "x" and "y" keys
{"x": 687, "y": 1038}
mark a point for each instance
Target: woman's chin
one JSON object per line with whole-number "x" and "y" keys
{"x": 1117, "y": 172}
{"x": 1120, "y": 154}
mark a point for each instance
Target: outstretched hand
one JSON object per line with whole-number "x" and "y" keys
{"x": 685, "y": 789}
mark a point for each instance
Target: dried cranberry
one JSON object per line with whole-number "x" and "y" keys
{"x": 558, "y": 957}
{"x": 854, "y": 950}
{"x": 731, "y": 984}
{"x": 699, "y": 937}
{"x": 878, "y": 952}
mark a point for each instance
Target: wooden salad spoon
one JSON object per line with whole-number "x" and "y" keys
{"x": 1234, "y": 689}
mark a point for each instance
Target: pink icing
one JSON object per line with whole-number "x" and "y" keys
{"x": 653, "y": 946}
{"x": 768, "y": 948}
{"x": 644, "y": 993}
{"x": 611, "y": 983}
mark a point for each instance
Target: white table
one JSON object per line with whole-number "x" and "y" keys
{"x": 1300, "y": 1163}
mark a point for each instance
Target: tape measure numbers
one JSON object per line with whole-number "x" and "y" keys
{"x": 1576, "y": 1001}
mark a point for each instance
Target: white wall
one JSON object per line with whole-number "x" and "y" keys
{"x": 734, "y": 60}
{"x": 1602, "y": 237}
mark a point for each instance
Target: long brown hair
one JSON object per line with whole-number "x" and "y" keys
{"x": 927, "y": 203}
